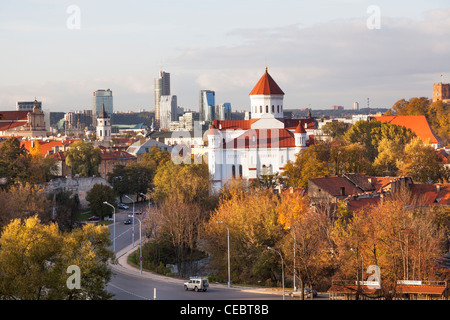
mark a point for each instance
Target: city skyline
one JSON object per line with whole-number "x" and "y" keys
{"x": 322, "y": 53}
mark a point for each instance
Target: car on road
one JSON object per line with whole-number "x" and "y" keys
{"x": 196, "y": 284}
{"x": 127, "y": 221}
{"x": 297, "y": 293}
{"x": 123, "y": 206}
{"x": 94, "y": 218}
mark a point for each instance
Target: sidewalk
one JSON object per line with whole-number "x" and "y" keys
{"x": 124, "y": 267}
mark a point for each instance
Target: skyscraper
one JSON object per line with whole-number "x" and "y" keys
{"x": 207, "y": 106}
{"x": 162, "y": 88}
{"x": 223, "y": 111}
{"x": 100, "y": 98}
{"x": 168, "y": 111}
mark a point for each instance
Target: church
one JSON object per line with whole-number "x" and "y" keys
{"x": 261, "y": 145}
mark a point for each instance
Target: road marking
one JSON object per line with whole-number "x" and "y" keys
{"x": 126, "y": 291}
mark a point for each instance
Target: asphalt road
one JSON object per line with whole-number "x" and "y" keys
{"x": 128, "y": 286}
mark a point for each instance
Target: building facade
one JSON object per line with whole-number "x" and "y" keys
{"x": 100, "y": 98}
{"x": 262, "y": 145}
{"x": 168, "y": 111}
{"x": 441, "y": 92}
{"x": 207, "y": 102}
{"x": 162, "y": 88}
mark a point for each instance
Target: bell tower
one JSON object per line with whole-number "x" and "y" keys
{"x": 103, "y": 126}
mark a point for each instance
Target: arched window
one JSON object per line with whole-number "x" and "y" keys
{"x": 233, "y": 171}
{"x": 278, "y": 108}
{"x": 273, "y": 109}
{"x": 267, "y": 109}
{"x": 240, "y": 170}
{"x": 260, "y": 109}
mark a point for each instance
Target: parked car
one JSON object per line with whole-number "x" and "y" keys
{"x": 297, "y": 293}
{"x": 127, "y": 221}
{"x": 196, "y": 284}
{"x": 122, "y": 206}
{"x": 93, "y": 218}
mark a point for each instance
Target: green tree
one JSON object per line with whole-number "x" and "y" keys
{"x": 421, "y": 162}
{"x": 35, "y": 257}
{"x": 98, "y": 194}
{"x": 14, "y": 161}
{"x": 83, "y": 158}
{"x": 336, "y": 129}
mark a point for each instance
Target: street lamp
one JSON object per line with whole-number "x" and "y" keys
{"x": 282, "y": 267}
{"x": 140, "y": 243}
{"x": 228, "y": 241}
{"x": 114, "y": 224}
{"x": 132, "y": 232}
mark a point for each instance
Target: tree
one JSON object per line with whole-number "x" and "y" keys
{"x": 421, "y": 162}
{"x": 83, "y": 158}
{"x": 310, "y": 163}
{"x": 35, "y": 257}
{"x": 14, "y": 161}
{"x": 120, "y": 180}
{"x": 252, "y": 221}
{"x": 335, "y": 129}
{"x": 98, "y": 194}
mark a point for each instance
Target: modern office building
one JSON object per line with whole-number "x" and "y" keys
{"x": 355, "y": 106}
{"x": 207, "y": 106}
{"x": 223, "y": 111}
{"x": 27, "y": 105}
{"x": 100, "y": 98}
{"x": 162, "y": 88}
{"x": 168, "y": 111}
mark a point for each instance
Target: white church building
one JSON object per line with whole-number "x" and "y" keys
{"x": 262, "y": 145}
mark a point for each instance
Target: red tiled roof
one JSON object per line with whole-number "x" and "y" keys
{"x": 46, "y": 146}
{"x": 401, "y": 288}
{"x": 333, "y": 185}
{"x": 417, "y": 124}
{"x": 11, "y": 125}
{"x": 290, "y": 124}
{"x": 14, "y": 115}
{"x": 300, "y": 128}
{"x": 430, "y": 195}
{"x": 266, "y": 85}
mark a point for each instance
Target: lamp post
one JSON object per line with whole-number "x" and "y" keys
{"x": 114, "y": 224}
{"x": 228, "y": 241}
{"x": 140, "y": 243}
{"x": 132, "y": 232}
{"x": 282, "y": 267}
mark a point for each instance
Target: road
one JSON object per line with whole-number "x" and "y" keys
{"x": 128, "y": 284}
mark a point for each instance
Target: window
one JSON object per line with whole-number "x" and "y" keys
{"x": 233, "y": 171}
{"x": 267, "y": 109}
{"x": 278, "y": 109}
{"x": 240, "y": 170}
{"x": 260, "y": 109}
{"x": 273, "y": 109}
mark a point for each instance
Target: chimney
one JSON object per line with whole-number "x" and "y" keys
{"x": 342, "y": 191}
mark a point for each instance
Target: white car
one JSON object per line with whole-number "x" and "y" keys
{"x": 196, "y": 284}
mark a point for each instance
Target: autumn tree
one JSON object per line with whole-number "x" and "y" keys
{"x": 252, "y": 220}
{"x": 336, "y": 129}
{"x": 14, "y": 162}
{"x": 35, "y": 257}
{"x": 420, "y": 162}
{"x": 83, "y": 158}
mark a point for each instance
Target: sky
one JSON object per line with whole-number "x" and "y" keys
{"x": 320, "y": 52}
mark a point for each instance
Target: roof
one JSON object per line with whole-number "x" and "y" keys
{"x": 103, "y": 114}
{"x": 432, "y": 194}
{"x": 45, "y": 146}
{"x": 417, "y": 124}
{"x": 266, "y": 85}
{"x": 14, "y": 115}
{"x": 401, "y": 288}
{"x": 300, "y": 128}
{"x": 334, "y": 185}
{"x": 108, "y": 154}
{"x": 290, "y": 124}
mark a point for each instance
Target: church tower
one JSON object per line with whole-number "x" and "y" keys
{"x": 266, "y": 98}
{"x": 103, "y": 126}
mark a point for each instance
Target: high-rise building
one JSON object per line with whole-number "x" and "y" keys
{"x": 100, "y": 98}
{"x": 355, "y": 106}
{"x": 207, "y": 105}
{"x": 26, "y": 105}
{"x": 223, "y": 111}
{"x": 162, "y": 88}
{"x": 168, "y": 111}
